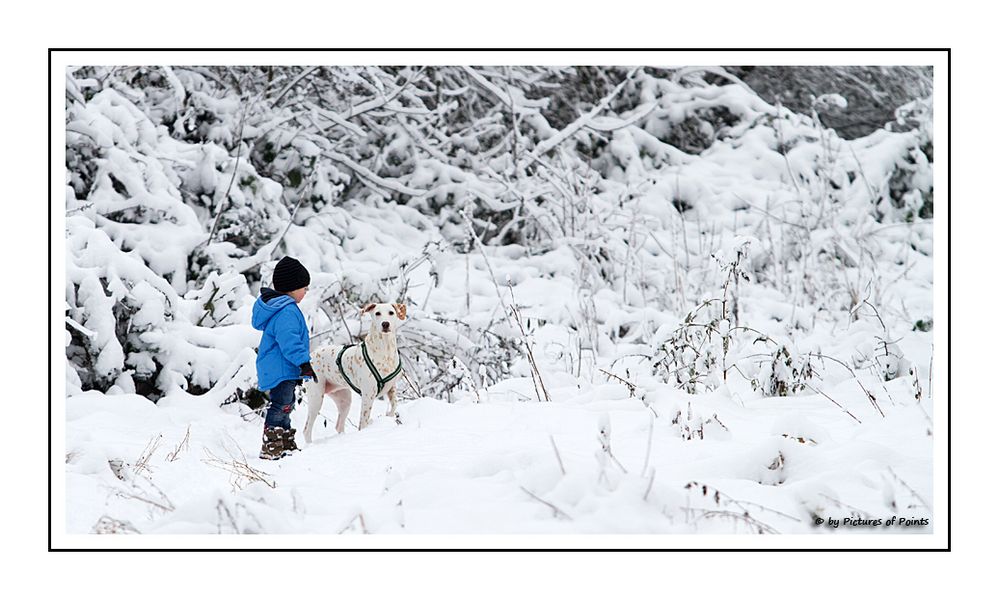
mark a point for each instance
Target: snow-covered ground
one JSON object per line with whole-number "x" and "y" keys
{"x": 735, "y": 337}
{"x": 769, "y": 464}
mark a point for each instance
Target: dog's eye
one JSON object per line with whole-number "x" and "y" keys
{"x": 391, "y": 313}
{"x": 378, "y": 314}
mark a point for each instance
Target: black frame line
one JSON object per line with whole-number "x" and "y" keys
{"x": 532, "y": 49}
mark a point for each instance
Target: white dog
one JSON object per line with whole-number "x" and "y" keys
{"x": 369, "y": 368}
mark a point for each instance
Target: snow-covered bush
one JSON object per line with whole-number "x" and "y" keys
{"x": 133, "y": 223}
{"x": 782, "y": 373}
{"x": 691, "y": 425}
{"x": 618, "y": 184}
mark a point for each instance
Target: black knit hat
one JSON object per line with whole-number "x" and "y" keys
{"x": 290, "y": 275}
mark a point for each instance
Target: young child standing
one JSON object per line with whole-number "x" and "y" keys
{"x": 283, "y": 357}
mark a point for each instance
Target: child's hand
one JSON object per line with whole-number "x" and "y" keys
{"x": 306, "y": 371}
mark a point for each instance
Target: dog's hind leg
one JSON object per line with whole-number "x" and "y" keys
{"x": 314, "y": 394}
{"x": 342, "y": 399}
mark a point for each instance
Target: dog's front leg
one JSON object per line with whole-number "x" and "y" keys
{"x": 367, "y": 402}
{"x": 391, "y": 397}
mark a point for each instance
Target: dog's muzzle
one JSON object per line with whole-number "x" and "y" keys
{"x": 385, "y": 326}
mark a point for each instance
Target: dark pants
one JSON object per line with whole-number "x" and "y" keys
{"x": 282, "y": 403}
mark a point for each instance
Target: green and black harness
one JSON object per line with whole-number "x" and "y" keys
{"x": 371, "y": 367}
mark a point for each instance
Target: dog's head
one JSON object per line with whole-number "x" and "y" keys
{"x": 385, "y": 318}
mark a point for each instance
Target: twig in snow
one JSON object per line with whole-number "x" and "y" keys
{"x": 929, "y": 392}
{"x": 881, "y": 380}
{"x": 648, "y": 447}
{"x": 557, "y": 511}
{"x": 359, "y": 517}
{"x": 652, "y": 477}
{"x": 183, "y": 445}
{"x": 878, "y": 315}
{"x": 604, "y": 439}
{"x": 720, "y": 495}
{"x": 631, "y": 386}
{"x": 238, "y": 467}
{"x": 856, "y": 510}
{"x": 760, "y": 526}
{"x": 917, "y": 391}
{"x": 528, "y": 346}
{"x": 557, "y": 455}
{"x": 906, "y": 486}
{"x": 870, "y": 396}
{"x": 109, "y": 525}
{"x": 833, "y": 401}
{"x": 222, "y": 506}
{"x": 412, "y": 385}
{"x": 142, "y": 464}
{"x": 512, "y": 314}
{"x": 136, "y": 493}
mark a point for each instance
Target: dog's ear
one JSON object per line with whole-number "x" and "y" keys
{"x": 400, "y": 310}
{"x": 368, "y": 308}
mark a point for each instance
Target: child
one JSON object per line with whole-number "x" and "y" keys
{"x": 283, "y": 357}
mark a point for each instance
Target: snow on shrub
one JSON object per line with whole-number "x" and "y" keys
{"x": 688, "y": 199}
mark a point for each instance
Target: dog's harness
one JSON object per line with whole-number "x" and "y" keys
{"x": 371, "y": 367}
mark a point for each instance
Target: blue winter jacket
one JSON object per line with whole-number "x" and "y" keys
{"x": 285, "y": 343}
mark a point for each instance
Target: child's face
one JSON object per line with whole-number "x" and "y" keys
{"x": 298, "y": 294}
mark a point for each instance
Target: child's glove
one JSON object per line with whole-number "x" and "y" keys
{"x": 306, "y": 371}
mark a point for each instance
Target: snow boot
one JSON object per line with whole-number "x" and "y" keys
{"x": 289, "y": 442}
{"x": 273, "y": 446}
